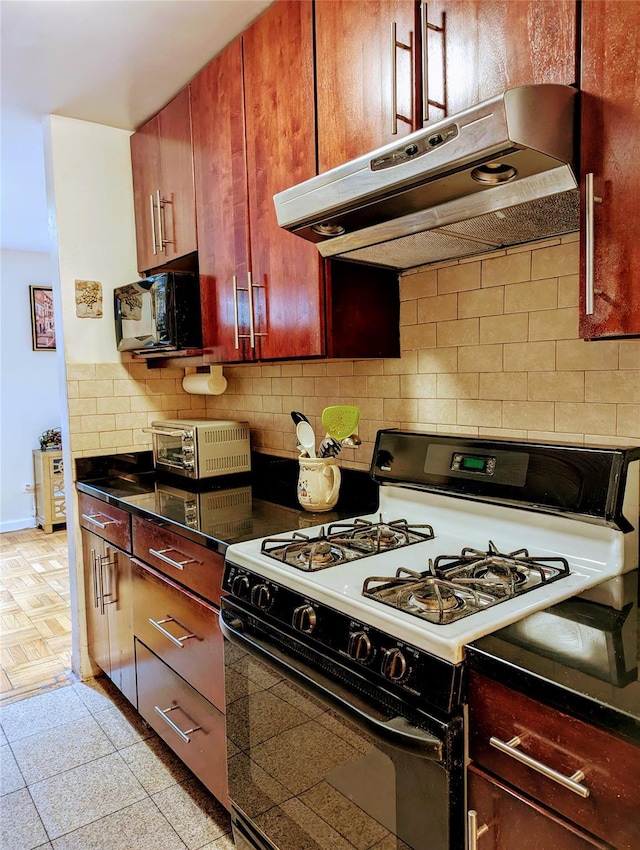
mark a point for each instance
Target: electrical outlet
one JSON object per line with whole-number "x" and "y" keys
{"x": 29, "y": 488}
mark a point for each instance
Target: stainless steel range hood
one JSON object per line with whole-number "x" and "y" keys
{"x": 500, "y": 173}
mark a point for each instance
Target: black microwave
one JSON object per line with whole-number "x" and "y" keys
{"x": 161, "y": 312}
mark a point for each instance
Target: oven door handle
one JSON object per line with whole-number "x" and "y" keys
{"x": 396, "y": 731}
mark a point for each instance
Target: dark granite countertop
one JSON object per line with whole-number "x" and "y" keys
{"x": 219, "y": 511}
{"x": 579, "y": 656}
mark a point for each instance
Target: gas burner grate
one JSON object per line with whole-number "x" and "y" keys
{"x": 455, "y": 586}
{"x": 344, "y": 542}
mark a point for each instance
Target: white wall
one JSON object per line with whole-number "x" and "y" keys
{"x": 29, "y": 398}
{"x": 91, "y": 205}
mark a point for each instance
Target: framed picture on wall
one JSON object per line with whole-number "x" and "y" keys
{"x": 43, "y": 329}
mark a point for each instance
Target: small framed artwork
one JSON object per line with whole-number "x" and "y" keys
{"x": 43, "y": 329}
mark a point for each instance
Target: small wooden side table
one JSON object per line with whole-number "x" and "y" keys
{"x": 49, "y": 489}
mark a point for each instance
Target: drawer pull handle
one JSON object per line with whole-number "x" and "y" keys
{"x": 184, "y": 735}
{"x": 474, "y": 832}
{"x": 571, "y": 783}
{"x": 92, "y": 519}
{"x": 179, "y": 565}
{"x": 157, "y": 624}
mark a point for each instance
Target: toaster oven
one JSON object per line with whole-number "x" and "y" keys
{"x": 201, "y": 448}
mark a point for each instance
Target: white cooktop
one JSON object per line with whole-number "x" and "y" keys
{"x": 594, "y": 553}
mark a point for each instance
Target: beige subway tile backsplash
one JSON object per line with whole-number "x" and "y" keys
{"x": 489, "y": 347}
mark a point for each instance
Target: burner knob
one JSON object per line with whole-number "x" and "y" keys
{"x": 240, "y": 586}
{"x": 261, "y": 596}
{"x": 304, "y": 619}
{"x": 359, "y": 647}
{"x": 394, "y": 664}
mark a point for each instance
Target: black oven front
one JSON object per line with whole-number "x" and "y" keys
{"x": 321, "y": 758}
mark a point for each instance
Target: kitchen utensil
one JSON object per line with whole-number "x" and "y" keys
{"x": 298, "y": 417}
{"x": 329, "y": 447}
{"x": 340, "y": 420}
{"x": 306, "y": 437}
{"x": 353, "y": 441}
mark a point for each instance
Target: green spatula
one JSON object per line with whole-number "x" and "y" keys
{"x": 341, "y": 420}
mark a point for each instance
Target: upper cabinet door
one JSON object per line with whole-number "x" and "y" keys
{"x": 286, "y": 285}
{"x": 178, "y": 206}
{"x": 476, "y": 49}
{"x": 217, "y": 94}
{"x": 610, "y": 151}
{"x": 162, "y": 164}
{"x": 366, "y": 56}
{"x": 145, "y": 163}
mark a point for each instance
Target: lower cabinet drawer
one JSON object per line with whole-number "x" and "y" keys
{"x": 506, "y": 820}
{"x": 181, "y": 629}
{"x": 184, "y": 561}
{"x": 605, "y": 767}
{"x": 185, "y": 720}
{"x": 107, "y": 521}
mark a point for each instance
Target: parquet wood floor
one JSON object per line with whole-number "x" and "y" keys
{"x": 35, "y": 617}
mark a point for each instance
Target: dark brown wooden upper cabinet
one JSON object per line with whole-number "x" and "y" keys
{"x": 163, "y": 190}
{"x": 367, "y": 57}
{"x": 217, "y": 97}
{"x": 267, "y": 294}
{"x": 610, "y": 152}
{"x": 476, "y": 49}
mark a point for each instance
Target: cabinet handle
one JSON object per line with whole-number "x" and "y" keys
{"x": 571, "y": 783}
{"x": 179, "y": 565}
{"x": 160, "y": 236}
{"x": 152, "y": 211}
{"x": 157, "y": 624}
{"x": 184, "y": 735}
{"x": 251, "y": 336}
{"x": 92, "y": 519}
{"x": 589, "y": 238}
{"x": 474, "y": 832}
{"x": 236, "y": 328}
{"x": 94, "y": 575}
{"x": 100, "y": 563}
{"x": 394, "y": 81}
{"x": 425, "y": 27}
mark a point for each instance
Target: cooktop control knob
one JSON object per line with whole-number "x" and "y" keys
{"x": 359, "y": 646}
{"x": 394, "y": 664}
{"x": 261, "y": 596}
{"x": 240, "y": 586}
{"x": 304, "y": 619}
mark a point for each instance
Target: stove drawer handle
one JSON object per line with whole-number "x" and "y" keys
{"x": 396, "y": 731}
{"x": 179, "y": 565}
{"x": 571, "y": 783}
{"x": 184, "y": 735}
{"x": 158, "y": 624}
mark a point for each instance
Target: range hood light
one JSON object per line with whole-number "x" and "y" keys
{"x": 329, "y": 229}
{"x": 493, "y": 173}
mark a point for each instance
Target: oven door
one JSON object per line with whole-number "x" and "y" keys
{"x": 170, "y": 451}
{"x": 313, "y": 764}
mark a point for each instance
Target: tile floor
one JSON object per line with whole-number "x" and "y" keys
{"x": 80, "y": 770}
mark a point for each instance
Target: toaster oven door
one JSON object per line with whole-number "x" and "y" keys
{"x": 174, "y": 450}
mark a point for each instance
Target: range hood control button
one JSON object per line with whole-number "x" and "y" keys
{"x": 412, "y": 150}
{"x": 434, "y": 140}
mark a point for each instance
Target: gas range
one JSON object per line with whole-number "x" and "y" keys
{"x": 471, "y": 535}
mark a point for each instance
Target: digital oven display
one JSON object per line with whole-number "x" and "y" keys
{"x": 479, "y": 464}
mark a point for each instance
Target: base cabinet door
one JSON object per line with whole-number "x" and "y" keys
{"x": 109, "y": 613}
{"x": 501, "y": 819}
{"x": 185, "y": 720}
